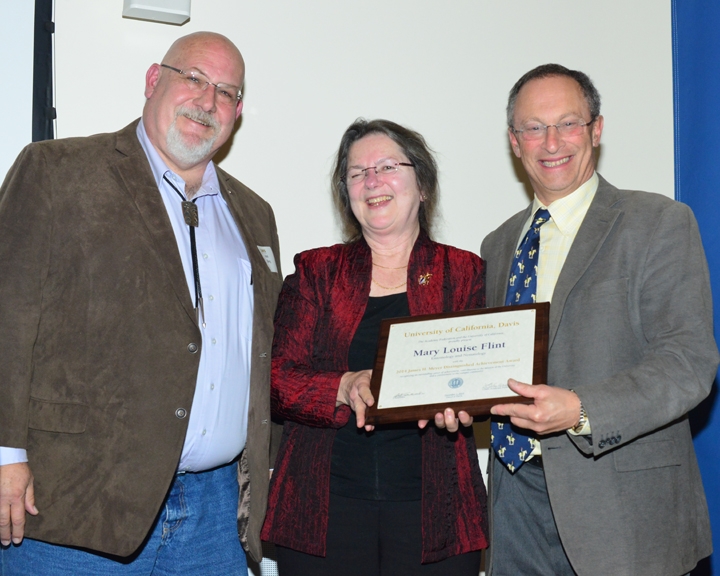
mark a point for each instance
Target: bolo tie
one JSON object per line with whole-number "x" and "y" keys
{"x": 192, "y": 219}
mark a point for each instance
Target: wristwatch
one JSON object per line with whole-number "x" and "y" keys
{"x": 583, "y": 417}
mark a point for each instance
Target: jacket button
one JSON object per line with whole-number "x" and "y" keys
{"x": 601, "y": 444}
{"x": 192, "y": 347}
{"x": 181, "y": 413}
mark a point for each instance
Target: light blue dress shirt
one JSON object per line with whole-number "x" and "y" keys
{"x": 217, "y": 429}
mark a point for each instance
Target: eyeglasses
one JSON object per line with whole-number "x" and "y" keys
{"x": 197, "y": 82}
{"x": 536, "y": 131}
{"x": 388, "y": 168}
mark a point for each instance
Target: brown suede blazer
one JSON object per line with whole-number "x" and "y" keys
{"x": 96, "y": 327}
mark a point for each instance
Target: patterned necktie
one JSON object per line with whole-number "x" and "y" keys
{"x": 510, "y": 446}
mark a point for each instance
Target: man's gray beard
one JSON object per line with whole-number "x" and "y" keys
{"x": 180, "y": 150}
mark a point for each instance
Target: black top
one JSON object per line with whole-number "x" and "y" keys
{"x": 385, "y": 464}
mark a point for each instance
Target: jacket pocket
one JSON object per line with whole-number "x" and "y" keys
{"x": 646, "y": 455}
{"x": 63, "y": 417}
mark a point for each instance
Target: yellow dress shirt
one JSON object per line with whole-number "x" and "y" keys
{"x": 556, "y": 238}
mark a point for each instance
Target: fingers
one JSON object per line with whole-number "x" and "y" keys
{"x": 17, "y": 517}
{"x": 452, "y": 422}
{"x": 518, "y": 410}
{"x": 354, "y": 390}
{"x": 355, "y": 386}
{"x": 361, "y": 399}
{"x": 30, "y": 499}
{"x": 520, "y": 415}
{"x": 5, "y": 526}
{"x": 360, "y": 417}
{"x": 448, "y": 420}
{"x": 465, "y": 418}
{"x": 445, "y": 419}
{"x": 523, "y": 389}
{"x": 359, "y": 408}
{"x": 552, "y": 410}
{"x": 365, "y": 394}
{"x": 16, "y": 496}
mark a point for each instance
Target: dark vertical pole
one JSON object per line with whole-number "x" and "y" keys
{"x": 43, "y": 109}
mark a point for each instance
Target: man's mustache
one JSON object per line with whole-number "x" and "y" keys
{"x": 198, "y": 116}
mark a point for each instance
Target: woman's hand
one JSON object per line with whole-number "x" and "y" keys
{"x": 354, "y": 391}
{"x": 448, "y": 420}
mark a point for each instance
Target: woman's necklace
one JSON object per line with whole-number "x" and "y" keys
{"x": 390, "y": 287}
{"x": 389, "y": 268}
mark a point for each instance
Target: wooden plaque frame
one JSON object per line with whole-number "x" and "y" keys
{"x": 475, "y": 407}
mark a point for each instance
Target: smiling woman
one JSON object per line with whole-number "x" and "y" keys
{"x": 397, "y": 140}
{"x": 342, "y": 490}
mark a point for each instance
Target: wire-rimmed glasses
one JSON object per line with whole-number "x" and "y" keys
{"x": 387, "y": 168}
{"x": 537, "y": 131}
{"x": 196, "y": 81}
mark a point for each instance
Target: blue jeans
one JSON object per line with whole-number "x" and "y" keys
{"x": 195, "y": 533}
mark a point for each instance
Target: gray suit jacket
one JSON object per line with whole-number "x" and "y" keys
{"x": 95, "y": 326}
{"x": 631, "y": 333}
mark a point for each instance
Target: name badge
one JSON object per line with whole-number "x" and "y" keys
{"x": 269, "y": 257}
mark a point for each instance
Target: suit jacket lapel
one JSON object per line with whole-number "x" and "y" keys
{"x": 137, "y": 179}
{"x": 594, "y": 230}
{"x": 506, "y": 257}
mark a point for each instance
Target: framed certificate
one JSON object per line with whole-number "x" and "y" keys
{"x": 459, "y": 360}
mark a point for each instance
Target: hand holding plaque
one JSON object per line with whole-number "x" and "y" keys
{"x": 354, "y": 391}
{"x": 458, "y": 360}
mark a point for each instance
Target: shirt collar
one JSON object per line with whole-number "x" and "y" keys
{"x": 210, "y": 183}
{"x": 569, "y": 212}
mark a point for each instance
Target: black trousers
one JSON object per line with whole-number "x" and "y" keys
{"x": 373, "y": 538}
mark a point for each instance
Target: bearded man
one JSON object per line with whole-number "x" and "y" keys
{"x": 136, "y": 302}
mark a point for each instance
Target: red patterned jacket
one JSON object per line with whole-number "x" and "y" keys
{"x": 319, "y": 310}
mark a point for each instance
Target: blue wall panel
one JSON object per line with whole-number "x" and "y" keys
{"x": 696, "y": 70}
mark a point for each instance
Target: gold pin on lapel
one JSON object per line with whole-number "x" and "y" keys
{"x": 424, "y": 279}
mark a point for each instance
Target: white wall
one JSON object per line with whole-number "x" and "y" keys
{"x": 16, "y": 43}
{"x": 442, "y": 68}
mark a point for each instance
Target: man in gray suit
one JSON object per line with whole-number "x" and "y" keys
{"x": 606, "y": 480}
{"x": 137, "y": 293}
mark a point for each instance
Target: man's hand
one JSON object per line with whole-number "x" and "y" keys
{"x": 553, "y": 409}
{"x": 448, "y": 420}
{"x": 354, "y": 391}
{"x": 16, "y": 496}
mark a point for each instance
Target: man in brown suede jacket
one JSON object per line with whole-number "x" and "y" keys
{"x": 137, "y": 292}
